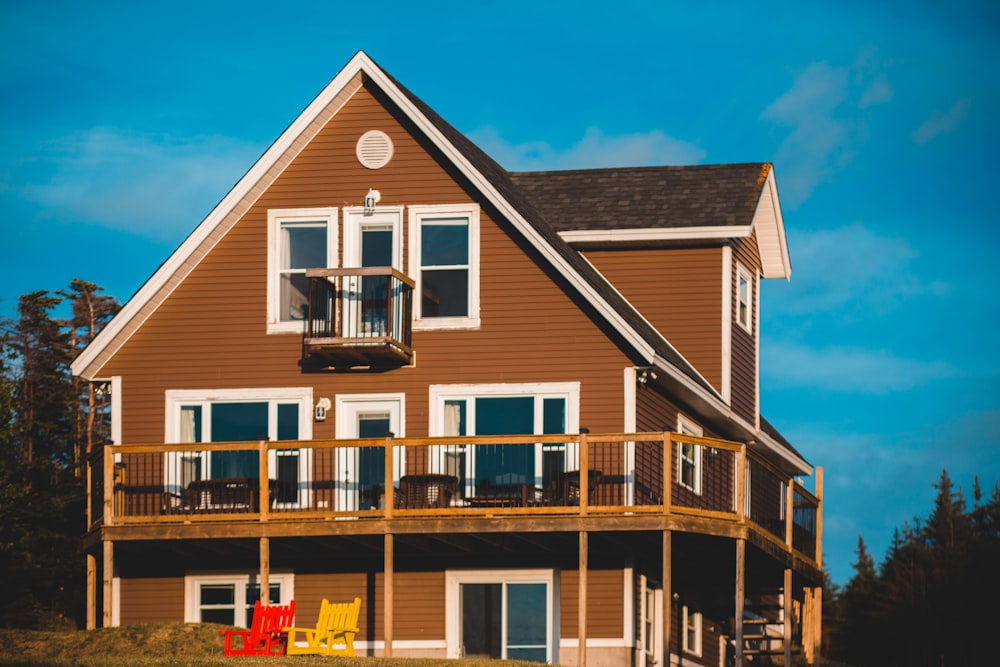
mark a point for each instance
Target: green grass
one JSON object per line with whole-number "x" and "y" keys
{"x": 153, "y": 645}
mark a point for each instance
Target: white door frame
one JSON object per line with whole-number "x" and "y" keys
{"x": 348, "y": 407}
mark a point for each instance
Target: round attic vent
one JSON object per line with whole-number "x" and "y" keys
{"x": 374, "y": 149}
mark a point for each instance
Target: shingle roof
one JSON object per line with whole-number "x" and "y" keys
{"x": 713, "y": 195}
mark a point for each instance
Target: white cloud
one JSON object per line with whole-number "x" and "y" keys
{"x": 942, "y": 122}
{"x": 821, "y": 112}
{"x": 845, "y": 369}
{"x": 593, "y": 150}
{"x": 158, "y": 187}
{"x": 852, "y": 268}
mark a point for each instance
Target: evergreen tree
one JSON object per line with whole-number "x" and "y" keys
{"x": 92, "y": 417}
{"x": 860, "y": 608}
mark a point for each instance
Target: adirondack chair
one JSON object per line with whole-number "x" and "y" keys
{"x": 266, "y": 635}
{"x": 334, "y": 631}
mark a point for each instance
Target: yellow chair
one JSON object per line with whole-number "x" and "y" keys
{"x": 334, "y": 632}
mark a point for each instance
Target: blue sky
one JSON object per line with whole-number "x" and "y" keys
{"x": 124, "y": 123}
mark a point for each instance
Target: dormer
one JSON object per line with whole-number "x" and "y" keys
{"x": 686, "y": 247}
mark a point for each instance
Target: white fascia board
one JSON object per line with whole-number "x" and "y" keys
{"x": 180, "y": 260}
{"x": 640, "y": 234}
{"x": 770, "y": 226}
{"x": 801, "y": 465}
{"x": 485, "y": 186}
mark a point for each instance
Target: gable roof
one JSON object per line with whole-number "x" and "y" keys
{"x": 505, "y": 192}
{"x": 673, "y": 203}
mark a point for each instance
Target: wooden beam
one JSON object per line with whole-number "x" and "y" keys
{"x": 819, "y": 518}
{"x": 265, "y": 571}
{"x": 667, "y": 601}
{"x": 581, "y": 660}
{"x": 387, "y": 595}
{"x": 108, "y": 581}
{"x": 740, "y": 597}
{"x": 787, "y": 612}
{"x": 91, "y": 591}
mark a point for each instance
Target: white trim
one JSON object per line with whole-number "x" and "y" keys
{"x": 415, "y": 215}
{"x": 727, "y": 324}
{"x": 688, "y": 426}
{"x": 438, "y": 393}
{"x": 455, "y": 578}
{"x": 770, "y": 226}
{"x": 211, "y": 230}
{"x": 631, "y": 382}
{"x": 174, "y": 398}
{"x": 633, "y": 235}
{"x": 696, "y": 616}
{"x": 355, "y": 217}
{"x": 347, "y": 408}
{"x": 275, "y": 218}
{"x": 756, "y": 370}
{"x": 628, "y": 597}
{"x": 743, "y": 274}
{"x": 116, "y": 600}
{"x": 193, "y": 579}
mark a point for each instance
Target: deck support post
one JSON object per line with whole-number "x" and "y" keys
{"x": 108, "y": 580}
{"x": 387, "y": 594}
{"x": 788, "y": 615}
{"x": 91, "y": 591}
{"x": 265, "y": 571}
{"x": 740, "y": 597}
{"x": 581, "y": 659}
{"x": 667, "y": 601}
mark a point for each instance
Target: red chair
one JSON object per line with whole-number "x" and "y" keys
{"x": 266, "y": 635}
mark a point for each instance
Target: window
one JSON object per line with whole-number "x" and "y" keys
{"x": 236, "y": 415}
{"x": 298, "y": 239}
{"x": 228, "y": 598}
{"x": 744, "y": 298}
{"x": 691, "y": 638}
{"x": 689, "y": 456}
{"x": 505, "y": 409}
{"x": 501, "y": 614}
{"x": 444, "y": 255}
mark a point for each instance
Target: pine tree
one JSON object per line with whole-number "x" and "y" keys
{"x": 91, "y": 312}
{"x": 860, "y": 608}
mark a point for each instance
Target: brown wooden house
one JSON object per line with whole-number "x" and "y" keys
{"x": 517, "y": 414}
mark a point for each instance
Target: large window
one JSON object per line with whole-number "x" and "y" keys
{"x": 505, "y": 614}
{"x": 298, "y": 239}
{"x": 239, "y": 415}
{"x": 444, "y": 257}
{"x": 228, "y": 598}
{"x": 505, "y": 409}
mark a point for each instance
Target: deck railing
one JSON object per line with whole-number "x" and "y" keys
{"x": 377, "y": 478}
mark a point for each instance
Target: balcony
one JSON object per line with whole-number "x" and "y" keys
{"x": 358, "y": 318}
{"x": 454, "y": 485}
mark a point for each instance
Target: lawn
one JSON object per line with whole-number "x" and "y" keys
{"x": 190, "y": 644}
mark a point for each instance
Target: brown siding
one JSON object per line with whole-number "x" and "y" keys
{"x": 210, "y": 333}
{"x": 605, "y": 603}
{"x": 680, "y": 292}
{"x": 151, "y": 600}
{"x": 744, "y": 353}
{"x": 418, "y": 602}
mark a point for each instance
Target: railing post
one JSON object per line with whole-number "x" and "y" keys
{"x": 584, "y": 470}
{"x": 264, "y": 492}
{"x": 109, "y": 485}
{"x": 390, "y": 488}
{"x": 741, "y": 481}
{"x": 789, "y": 507}
{"x": 819, "y": 517}
{"x": 668, "y": 470}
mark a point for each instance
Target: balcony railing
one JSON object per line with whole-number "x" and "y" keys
{"x": 358, "y": 317}
{"x": 634, "y": 474}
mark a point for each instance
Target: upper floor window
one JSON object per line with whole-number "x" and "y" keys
{"x": 298, "y": 239}
{"x": 744, "y": 298}
{"x": 444, "y": 258}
